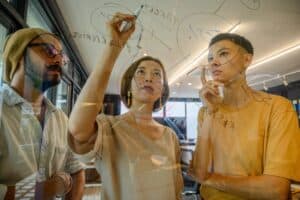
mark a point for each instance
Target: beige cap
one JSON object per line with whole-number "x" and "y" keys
{"x": 14, "y": 49}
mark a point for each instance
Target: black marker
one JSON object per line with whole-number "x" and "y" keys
{"x": 126, "y": 25}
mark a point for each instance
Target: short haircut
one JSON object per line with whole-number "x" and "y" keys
{"x": 235, "y": 38}
{"x": 128, "y": 76}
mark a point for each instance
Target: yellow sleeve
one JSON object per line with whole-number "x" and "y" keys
{"x": 283, "y": 142}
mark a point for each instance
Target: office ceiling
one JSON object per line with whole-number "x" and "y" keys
{"x": 178, "y": 32}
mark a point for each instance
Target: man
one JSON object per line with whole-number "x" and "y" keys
{"x": 33, "y": 133}
{"x": 248, "y": 141}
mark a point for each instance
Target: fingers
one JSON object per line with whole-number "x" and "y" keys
{"x": 120, "y": 18}
{"x": 203, "y": 79}
{"x": 209, "y": 90}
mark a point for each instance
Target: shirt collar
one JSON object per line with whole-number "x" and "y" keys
{"x": 11, "y": 98}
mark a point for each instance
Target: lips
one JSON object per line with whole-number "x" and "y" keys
{"x": 54, "y": 69}
{"x": 216, "y": 72}
{"x": 148, "y": 89}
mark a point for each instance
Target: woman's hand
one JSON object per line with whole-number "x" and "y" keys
{"x": 119, "y": 38}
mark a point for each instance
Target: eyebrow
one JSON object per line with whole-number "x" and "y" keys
{"x": 223, "y": 48}
{"x": 140, "y": 67}
{"x": 209, "y": 57}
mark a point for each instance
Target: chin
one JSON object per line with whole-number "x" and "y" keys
{"x": 50, "y": 83}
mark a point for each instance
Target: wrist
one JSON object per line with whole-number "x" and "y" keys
{"x": 116, "y": 44}
{"x": 62, "y": 182}
{"x": 210, "y": 110}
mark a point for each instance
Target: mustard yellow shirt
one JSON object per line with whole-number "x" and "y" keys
{"x": 262, "y": 137}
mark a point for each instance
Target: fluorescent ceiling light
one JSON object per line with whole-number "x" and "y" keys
{"x": 185, "y": 69}
{"x": 274, "y": 56}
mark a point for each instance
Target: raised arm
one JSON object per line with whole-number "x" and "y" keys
{"x": 82, "y": 122}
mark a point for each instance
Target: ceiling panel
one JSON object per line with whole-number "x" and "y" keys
{"x": 177, "y": 31}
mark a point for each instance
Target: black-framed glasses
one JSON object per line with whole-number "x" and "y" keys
{"x": 51, "y": 51}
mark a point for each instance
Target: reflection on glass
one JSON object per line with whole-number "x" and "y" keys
{"x": 175, "y": 109}
{"x": 3, "y": 34}
{"x": 34, "y": 18}
{"x": 62, "y": 96}
{"x": 191, "y": 118}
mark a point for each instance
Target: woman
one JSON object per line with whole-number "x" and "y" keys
{"x": 137, "y": 157}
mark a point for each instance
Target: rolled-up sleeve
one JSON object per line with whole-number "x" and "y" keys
{"x": 98, "y": 145}
{"x": 73, "y": 165}
{"x": 283, "y": 146}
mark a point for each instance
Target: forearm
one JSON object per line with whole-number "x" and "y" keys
{"x": 89, "y": 102}
{"x": 77, "y": 186}
{"x": 262, "y": 187}
{"x": 203, "y": 150}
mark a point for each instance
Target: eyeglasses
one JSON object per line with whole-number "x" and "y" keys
{"x": 51, "y": 51}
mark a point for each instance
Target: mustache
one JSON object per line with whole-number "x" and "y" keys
{"x": 55, "y": 67}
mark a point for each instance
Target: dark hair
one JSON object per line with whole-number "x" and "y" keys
{"x": 128, "y": 75}
{"x": 235, "y": 38}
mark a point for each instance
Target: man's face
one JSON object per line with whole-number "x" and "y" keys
{"x": 44, "y": 60}
{"x": 227, "y": 61}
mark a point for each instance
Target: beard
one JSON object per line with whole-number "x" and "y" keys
{"x": 42, "y": 77}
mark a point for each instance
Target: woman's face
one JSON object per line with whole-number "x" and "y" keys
{"x": 147, "y": 82}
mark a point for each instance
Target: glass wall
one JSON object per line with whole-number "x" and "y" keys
{"x": 3, "y": 35}
{"x": 63, "y": 90}
{"x": 180, "y": 115}
{"x": 34, "y": 17}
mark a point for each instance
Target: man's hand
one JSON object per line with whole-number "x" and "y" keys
{"x": 10, "y": 193}
{"x": 58, "y": 185}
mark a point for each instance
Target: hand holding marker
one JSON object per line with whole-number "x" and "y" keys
{"x": 126, "y": 25}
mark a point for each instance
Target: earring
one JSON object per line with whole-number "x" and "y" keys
{"x": 128, "y": 98}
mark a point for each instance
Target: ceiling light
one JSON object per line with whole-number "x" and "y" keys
{"x": 190, "y": 84}
{"x": 274, "y": 56}
{"x": 284, "y": 81}
{"x": 191, "y": 66}
{"x": 283, "y": 77}
{"x": 145, "y": 54}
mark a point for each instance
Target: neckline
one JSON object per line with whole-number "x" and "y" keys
{"x": 127, "y": 117}
{"x": 234, "y": 108}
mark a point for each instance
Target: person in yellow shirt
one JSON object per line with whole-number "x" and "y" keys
{"x": 248, "y": 141}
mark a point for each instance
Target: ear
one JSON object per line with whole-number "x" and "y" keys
{"x": 247, "y": 60}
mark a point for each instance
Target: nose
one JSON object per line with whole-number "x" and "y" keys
{"x": 148, "y": 77}
{"x": 214, "y": 62}
{"x": 60, "y": 59}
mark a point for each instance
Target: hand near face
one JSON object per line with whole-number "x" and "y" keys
{"x": 209, "y": 93}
